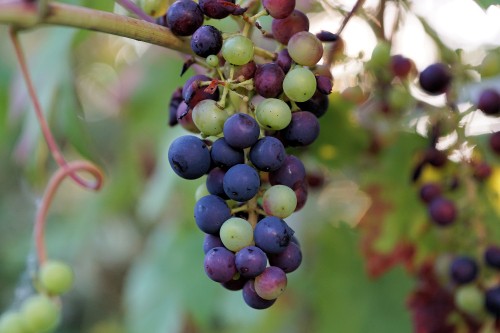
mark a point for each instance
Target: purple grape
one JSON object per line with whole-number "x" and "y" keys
{"x": 252, "y": 299}
{"x": 211, "y": 241}
{"x": 284, "y": 29}
{"x": 482, "y": 170}
{"x": 317, "y": 105}
{"x": 184, "y": 17}
{"x": 217, "y": 9}
{"x": 210, "y": 212}
{"x": 291, "y": 171}
{"x": 489, "y": 102}
{"x": 302, "y": 130}
{"x": 492, "y": 301}
{"x": 492, "y": 256}
{"x": 429, "y": 192}
{"x": 435, "y": 79}
{"x": 301, "y": 192}
{"x": 219, "y": 264}
{"x": 241, "y": 182}
{"x": 327, "y": 36}
{"x": 284, "y": 60}
{"x": 271, "y": 283}
{"x": 442, "y": 211}
{"x": 495, "y": 142}
{"x": 272, "y": 234}
{"x": 185, "y": 118}
{"x": 324, "y": 84}
{"x": 401, "y": 66}
{"x": 235, "y": 285}
{"x": 267, "y": 154}
{"x": 226, "y": 156}
{"x": 206, "y": 40}
{"x": 435, "y": 157}
{"x": 288, "y": 260}
{"x": 193, "y": 93}
{"x": 189, "y": 157}
{"x": 463, "y": 270}
{"x": 279, "y": 9}
{"x": 215, "y": 182}
{"x": 241, "y": 131}
{"x": 269, "y": 80}
{"x": 250, "y": 261}
{"x": 243, "y": 72}
{"x": 175, "y": 100}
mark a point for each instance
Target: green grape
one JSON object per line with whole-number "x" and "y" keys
{"x": 201, "y": 191}
{"x": 238, "y": 50}
{"x": 490, "y": 66}
{"x": 299, "y": 84}
{"x": 305, "y": 48}
{"x": 208, "y": 117}
{"x": 381, "y": 56}
{"x": 399, "y": 98}
{"x": 12, "y": 322}
{"x": 236, "y": 233}
{"x": 56, "y": 277}
{"x": 279, "y": 201}
{"x": 154, "y": 8}
{"x": 212, "y": 60}
{"x": 40, "y": 313}
{"x": 274, "y": 114}
{"x": 469, "y": 299}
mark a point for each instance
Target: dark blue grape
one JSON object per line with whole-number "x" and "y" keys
{"x": 235, "y": 285}
{"x": 189, "y": 157}
{"x": 225, "y": 156}
{"x": 215, "y": 182}
{"x": 267, "y": 154}
{"x": 492, "y": 256}
{"x": 241, "y": 182}
{"x": 302, "y": 130}
{"x": 489, "y": 102}
{"x": 241, "y": 131}
{"x": 211, "y": 241}
{"x": 217, "y": 9}
{"x": 206, "y": 40}
{"x": 184, "y": 17}
{"x": 252, "y": 299}
{"x": 324, "y": 84}
{"x": 210, "y": 212}
{"x": 435, "y": 79}
{"x": 492, "y": 301}
{"x": 291, "y": 172}
{"x": 429, "y": 192}
{"x": 288, "y": 260}
{"x": 250, "y": 261}
{"x": 219, "y": 264}
{"x": 317, "y": 105}
{"x": 327, "y": 36}
{"x": 463, "y": 270}
{"x": 193, "y": 93}
{"x": 175, "y": 100}
{"x": 272, "y": 234}
{"x": 268, "y": 80}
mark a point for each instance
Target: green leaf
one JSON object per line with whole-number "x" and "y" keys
{"x": 486, "y": 3}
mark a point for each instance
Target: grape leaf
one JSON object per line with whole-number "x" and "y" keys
{"x": 486, "y": 3}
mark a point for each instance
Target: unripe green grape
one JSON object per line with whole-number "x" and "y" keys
{"x": 40, "y": 313}
{"x": 12, "y": 322}
{"x": 305, "y": 48}
{"x": 399, "y": 98}
{"x": 212, "y": 60}
{"x": 381, "y": 56}
{"x": 299, "y": 84}
{"x": 279, "y": 201}
{"x": 154, "y": 8}
{"x": 208, "y": 117}
{"x": 238, "y": 50}
{"x": 470, "y": 299}
{"x": 201, "y": 191}
{"x": 490, "y": 66}
{"x": 56, "y": 277}
{"x": 236, "y": 233}
{"x": 273, "y": 113}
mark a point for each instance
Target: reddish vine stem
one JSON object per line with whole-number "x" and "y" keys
{"x": 70, "y": 169}
{"x": 49, "y": 138}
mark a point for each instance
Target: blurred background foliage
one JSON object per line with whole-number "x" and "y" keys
{"x": 134, "y": 245}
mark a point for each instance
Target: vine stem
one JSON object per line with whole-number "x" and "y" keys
{"x": 25, "y": 15}
{"x": 49, "y": 138}
{"x": 54, "y": 183}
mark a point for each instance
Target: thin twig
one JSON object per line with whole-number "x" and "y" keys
{"x": 358, "y": 4}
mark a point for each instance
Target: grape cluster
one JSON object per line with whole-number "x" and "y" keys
{"x": 40, "y": 312}
{"x": 249, "y": 107}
